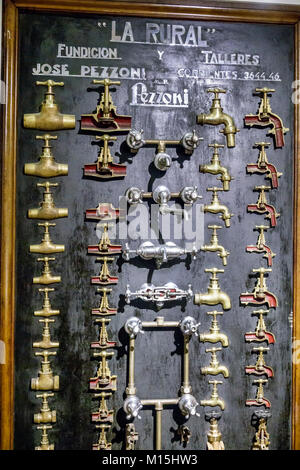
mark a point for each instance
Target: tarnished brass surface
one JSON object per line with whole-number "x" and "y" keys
{"x": 102, "y": 443}
{"x": 46, "y": 380}
{"x": 215, "y": 207}
{"x": 46, "y": 167}
{"x": 46, "y": 310}
{"x": 47, "y": 209}
{"x": 46, "y": 342}
{"x": 214, "y": 437}
{"x": 214, "y": 295}
{"x": 45, "y": 415}
{"x": 214, "y": 399}
{"x": 45, "y": 445}
{"x": 214, "y": 335}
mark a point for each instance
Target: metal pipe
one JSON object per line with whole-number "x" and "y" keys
{"x": 160, "y": 322}
{"x": 131, "y": 390}
{"x": 186, "y": 382}
{"x": 158, "y": 416}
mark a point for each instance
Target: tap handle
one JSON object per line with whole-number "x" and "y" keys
{"x": 261, "y": 349}
{"x": 104, "y": 290}
{"x": 45, "y": 259}
{"x": 263, "y": 414}
{"x": 214, "y": 227}
{"x": 262, "y": 270}
{"x": 46, "y": 224}
{"x": 102, "y": 426}
{"x": 265, "y": 90}
{"x": 214, "y": 189}
{"x": 214, "y": 313}
{"x": 104, "y": 354}
{"x": 260, "y": 312}
{"x": 213, "y": 270}
{"x": 46, "y": 185}
{"x": 213, "y": 415}
{"x": 45, "y": 354}
{"x": 262, "y": 188}
{"x": 46, "y": 289}
{"x": 215, "y": 382}
{"x": 44, "y": 427}
{"x": 105, "y": 259}
{"x": 46, "y": 138}
{"x": 50, "y": 84}
{"x": 46, "y": 320}
{"x": 44, "y": 395}
{"x": 102, "y": 320}
{"x": 106, "y": 82}
{"x": 216, "y": 145}
{"x": 261, "y": 144}
{"x": 260, "y": 381}
{"x": 102, "y": 395}
{"x": 213, "y": 350}
{"x": 262, "y": 227}
{"x": 216, "y": 91}
{"x": 105, "y": 137}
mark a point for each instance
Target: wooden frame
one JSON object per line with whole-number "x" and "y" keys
{"x": 197, "y": 11}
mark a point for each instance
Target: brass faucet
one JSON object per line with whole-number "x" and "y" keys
{"x": 214, "y": 295}
{"x": 214, "y": 400}
{"x": 260, "y": 368}
{"x": 262, "y": 437}
{"x": 105, "y": 247}
{"x": 260, "y": 333}
{"x": 214, "y": 244}
{"x": 216, "y": 117}
{"x": 263, "y": 166}
{"x": 46, "y": 338}
{"x": 103, "y": 342}
{"x": 102, "y": 443}
{"x": 261, "y": 246}
{"x": 259, "y": 400}
{"x": 47, "y": 209}
{"x": 214, "y": 367}
{"x": 215, "y": 168}
{"x": 49, "y": 118}
{"x": 104, "y": 277}
{"x": 104, "y": 308}
{"x": 260, "y": 294}
{"x": 104, "y": 380}
{"x": 46, "y": 167}
{"x": 263, "y": 207}
{"x": 45, "y": 380}
{"x": 45, "y": 415}
{"x": 103, "y": 414}
{"x": 46, "y": 277}
{"x": 46, "y": 246}
{"x": 214, "y": 437}
{"x": 45, "y": 445}
{"x": 215, "y": 207}
{"x": 214, "y": 335}
{"x": 47, "y": 310}
{"x": 105, "y": 168}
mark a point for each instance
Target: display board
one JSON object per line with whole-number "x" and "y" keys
{"x": 165, "y": 68}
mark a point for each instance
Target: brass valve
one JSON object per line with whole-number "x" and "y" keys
{"x": 214, "y": 244}
{"x": 259, "y": 400}
{"x": 104, "y": 308}
{"x": 105, "y": 276}
{"x": 46, "y": 380}
{"x": 46, "y": 338}
{"x": 214, "y": 295}
{"x": 103, "y": 414}
{"x": 131, "y": 436}
{"x": 262, "y": 437}
{"x": 105, "y": 247}
{"x": 262, "y": 158}
{"x": 47, "y": 209}
{"x": 47, "y": 310}
{"x": 261, "y": 246}
{"x": 45, "y": 445}
{"x": 104, "y": 168}
{"x": 261, "y": 333}
{"x": 106, "y": 103}
{"x": 46, "y": 246}
{"x": 214, "y": 335}
{"x": 262, "y": 206}
{"x": 46, "y": 167}
{"x": 105, "y": 156}
{"x": 104, "y": 380}
{"x": 215, "y": 168}
{"x": 215, "y": 207}
{"x": 260, "y": 293}
{"x": 214, "y": 437}
{"x": 264, "y": 108}
{"x": 45, "y": 415}
{"x": 102, "y": 443}
{"x": 46, "y": 277}
{"x": 49, "y": 118}
{"x": 214, "y": 400}
{"x": 214, "y": 367}
{"x": 261, "y": 286}
{"x": 103, "y": 342}
{"x": 260, "y": 367}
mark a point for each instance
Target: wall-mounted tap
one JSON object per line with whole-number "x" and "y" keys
{"x": 260, "y": 295}
{"x": 161, "y": 253}
{"x": 49, "y": 118}
{"x": 266, "y": 118}
{"x": 215, "y": 207}
{"x": 133, "y": 327}
{"x": 46, "y": 246}
{"x": 132, "y": 405}
{"x": 45, "y": 444}
{"x": 214, "y": 244}
{"x": 47, "y": 310}
{"x": 263, "y": 166}
{"x": 214, "y": 367}
{"x": 260, "y": 333}
{"x": 104, "y": 307}
{"x": 46, "y": 380}
{"x": 105, "y": 247}
{"x": 105, "y": 118}
{"x": 259, "y": 400}
{"x": 159, "y": 295}
{"x": 260, "y": 368}
{"x": 46, "y": 167}
{"x": 214, "y": 295}
{"x": 214, "y": 399}
{"x": 47, "y": 209}
{"x": 261, "y": 246}
{"x": 131, "y": 436}
{"x": 46, "y": 342}
{"x": 262, "y": 206}
{"x": 216, "y": 117}
{"x": 46, "y": 277}
{"x": 103, "y": 342}
{"x": 104, "y": 379}
{"x": 214, "y": 335}
{"x": 104, "y": 278}
{"x": 188, "y": 405}
{"x": 162, "y": 160}
{"x": 214, "y": 437}
{"x": 215, "y": 168}
{"x": 102, "y": 443}
{"x": 105, "y": 168}
{"x": 45, "y": 415}
{"x": 103, "y": 415}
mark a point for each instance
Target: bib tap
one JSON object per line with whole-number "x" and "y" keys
{"x": 46, "y": 277}
{"x": 216, "y": 117}
{"x": 260, "y": 368}
{"x": 46, "y": 337}
{"x": 133, "y": 327}
{"x": 215, "y": 168}
{"x": 259, "y": 400}
{"x": 102, "y": 443}
{"x": 46, "y": 246}
{"x": 214, "y": 400}
{"x": 132, "y": 406}
{"x": 104, "y": 342}
{"x": 103, "y": 415}
{"x": 104, "y": 379}
{"x": 214, "y": 244}
{"x": 188, "y": 405}
{"x": 263, "y": 207}
{"x": 47, "y": 209}
{"x": 266, "y": 118}
{"x": 45, "y": 444}
{"x": 214, "y": 367}
{"x": 261, "y": 246}
{"x": 260, "y": 295}
{"x": 47, "y": 310}
{"x": 214, "y": 295}
{"x": 105, "y": 247}
{"x": 46, "y": 167}
{"x": 104, "y": 277}
{"x": 45, "y": 415}
{"x": 105, "y": 168}
{"x": 263, "y": 166}
{"x": 49, "y": 118}
{"x": 215, "y": 207}
{"x": 260, "y": 333}
{"x": 104, "y": 308}
{"x": 46, "y": 380}
{"x": 214, "y": 335}
{"x": 214, "y": 437}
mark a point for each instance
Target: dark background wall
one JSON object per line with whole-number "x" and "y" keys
{"x": 158, "y": 362}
